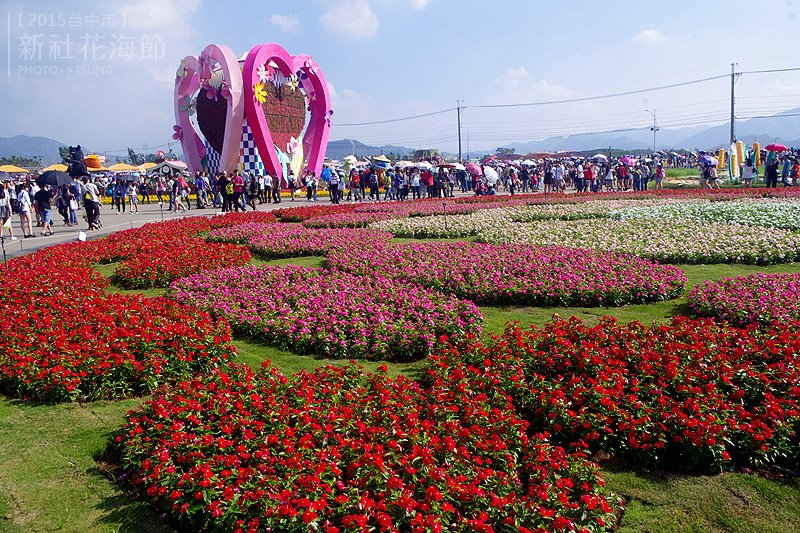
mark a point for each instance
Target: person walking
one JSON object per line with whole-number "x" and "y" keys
{"x": 308, "y": 180}
{"x": 771, "y": 175}
{"x": 238, "y": 189}
{"x": 276, "y": 189}
{"x": 42, "y": 199}
{"x": 5, "y": 211}
{"x": 24, "y": 203}
{"x": 333, "y": 184}
{"x": 252, "y": 192}
{"x": 133, "y": 198}
{"x": 91, "y": 202}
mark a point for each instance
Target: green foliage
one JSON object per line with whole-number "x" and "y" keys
{"x": 24, "y": 162}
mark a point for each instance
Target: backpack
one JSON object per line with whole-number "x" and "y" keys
{"x": 15, "y": 205}
{"x": 229, "y": 188}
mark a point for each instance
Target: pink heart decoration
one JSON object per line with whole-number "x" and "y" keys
{"x": 265, "y": 58}
{"x": 194, "y": 74}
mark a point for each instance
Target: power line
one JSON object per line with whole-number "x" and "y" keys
{"x": 602, "y": 96}
{"x": 399, "y": 119}
{"x": 529, "y": 104}
{"x": 793, "y": 69}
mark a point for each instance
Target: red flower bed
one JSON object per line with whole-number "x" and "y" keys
{"x": 157, "y": 254}
{"x": 176, "y": 260}
{"x": 66, "y": 339}
{"x": 688, "y": 395}
{"x": 299, "y": 214}
{"x": 338, "y": 450}
{"x": 76, "y": 345}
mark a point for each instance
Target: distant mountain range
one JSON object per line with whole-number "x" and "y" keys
{"x": 783, "y": 128}
{"x": 344, "y": 147}
{"x": 32, "y": 147}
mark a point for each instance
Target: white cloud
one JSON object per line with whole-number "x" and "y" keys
{"x": 420, "y": 4}
{"x": 349, "y": 106}
{"x": 649, "y": 36}
{"x": 517, "y": 83}
{"x": 286, "y": 23}
{"x": 350, "y": 18}
{"x": 158, "y": 14}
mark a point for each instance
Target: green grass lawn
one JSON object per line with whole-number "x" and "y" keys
{"x": 51, "y": 480}
{"x": 681, "y": 172}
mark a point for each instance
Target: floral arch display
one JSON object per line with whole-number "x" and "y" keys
{"x": 267, "y": 111}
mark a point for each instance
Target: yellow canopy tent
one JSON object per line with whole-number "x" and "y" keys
{"x": 98, "y": 169}
{"x": 122, "y": 167}
{"x": 13, "y": 169}
{"x": 147, "y": 166}
{"x": 57, "y": 166}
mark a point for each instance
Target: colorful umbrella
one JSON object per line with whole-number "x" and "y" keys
{"x": 708, "y": 160}
{"x": 627, "y": 160}
{"x": 774, "y": 147}
{"x": 474, "y": 169}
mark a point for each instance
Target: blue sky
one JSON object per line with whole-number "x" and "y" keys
{"x": 388, "y": 59}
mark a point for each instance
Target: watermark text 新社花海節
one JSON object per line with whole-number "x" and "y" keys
{"x": 75, "y": 44}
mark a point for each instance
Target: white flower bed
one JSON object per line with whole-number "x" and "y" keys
{"x": 673, "y": 241}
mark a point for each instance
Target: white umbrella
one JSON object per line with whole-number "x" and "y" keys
{"x": 528, "y": 163}
{"x": 403, "y": 164}
{"x": 422, "y": 165}
{"x": 597, "y": 157}
{"x": 459, "y": 166}
{"x": 491, "y": 175}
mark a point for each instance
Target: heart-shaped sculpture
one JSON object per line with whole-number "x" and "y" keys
{"x": 269, "y": 62}
{"x": 211, "y": 119}
{"x": 285, "y": 111}
{"x": 223, "y": 132}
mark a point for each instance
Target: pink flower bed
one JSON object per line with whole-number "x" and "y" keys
{"x": 487, "y": 273}
{"x": 754, "y": 299}
{"x": 294, "y": 240}
{"x": 335, "y": 314}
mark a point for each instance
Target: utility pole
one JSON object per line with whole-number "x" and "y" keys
{"x": 654, "y": 129}
{"x": 458, "y": 111}
{"x": 733, "y": 115}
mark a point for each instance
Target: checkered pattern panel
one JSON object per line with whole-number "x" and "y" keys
{"x": 249, "y": 159}
{"x": 211, "y": 159}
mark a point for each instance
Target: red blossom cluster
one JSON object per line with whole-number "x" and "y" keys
{"x": 341, "y": 450}
{"x": 689, "y": 395}
{"x": 66, "y": 339}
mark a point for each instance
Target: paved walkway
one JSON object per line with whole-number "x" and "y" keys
{"x": 116, "y": 222}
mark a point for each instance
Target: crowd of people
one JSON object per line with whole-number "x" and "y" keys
{"x": 237, "y": 191}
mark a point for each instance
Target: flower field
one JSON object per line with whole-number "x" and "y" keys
{"x": 754, "y": 299}
{"x": 295, "y": 240}
{"x": 332, "y": 314}
{"x": 673, "y": 241}
{"x": 690, "y": 395}
{"x": 521, "y": 431}
{"x": 521, "y": 275}
{"x": 765, "y": 213}
{"x": 337, "y": 450}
